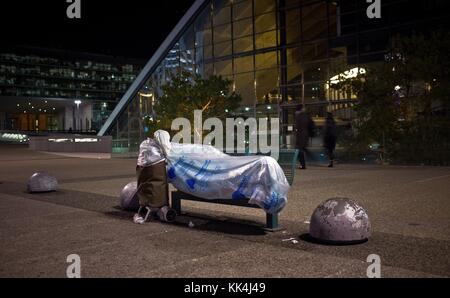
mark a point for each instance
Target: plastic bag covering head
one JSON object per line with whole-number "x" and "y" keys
{"x": 208, "y": 173}
{"x": 163, "y": 138}
{"x": 150, "y": 153}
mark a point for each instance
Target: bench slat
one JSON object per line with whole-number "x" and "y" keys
{"x": 179, "y": 195}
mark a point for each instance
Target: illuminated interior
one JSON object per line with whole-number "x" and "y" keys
{"x": 277, "y": 53}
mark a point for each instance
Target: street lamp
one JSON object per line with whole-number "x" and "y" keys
{"x": 77, "y": 102}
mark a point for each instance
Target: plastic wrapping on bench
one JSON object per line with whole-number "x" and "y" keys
{"x": 205, "y": 172}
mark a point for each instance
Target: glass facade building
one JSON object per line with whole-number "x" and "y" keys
{"x": 277, "y": 53}
{"x": 38, "y": 76}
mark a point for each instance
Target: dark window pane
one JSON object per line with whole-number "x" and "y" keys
{"x": 294, "y": 56}
{"x": 294, "y": 93}
{"x": 204, "y": 20}
{"x": 316, "y": 51}
{"x": 187, "y": 40}
{"x": 316, "y": 71}
{"x": 314, "y": 92}
{"x": 293, "y": 30}
{"x": 292, "y": 3}
{"x": 294, "y": 67}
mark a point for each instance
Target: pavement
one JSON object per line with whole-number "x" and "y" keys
{"x": 409, "y": 208}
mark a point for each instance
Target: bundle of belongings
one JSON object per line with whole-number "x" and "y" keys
{"x": 152, "y": 186}
{"x": 206, "y": 172}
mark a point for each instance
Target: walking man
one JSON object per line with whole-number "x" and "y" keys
{"x": 329, "y": 138}
{"x": 304, "y": 129}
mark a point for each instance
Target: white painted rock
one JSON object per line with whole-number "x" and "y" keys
{"x": 340, "y": 220}
{"x": 128, "y": 197}
{"x": 41, "y": 182}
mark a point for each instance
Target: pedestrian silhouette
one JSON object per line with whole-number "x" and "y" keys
{"x": 304, "y": 129}
{"x": 329, "y": 138}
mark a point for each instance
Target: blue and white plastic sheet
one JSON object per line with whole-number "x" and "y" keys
{"x": 208, "y": 173}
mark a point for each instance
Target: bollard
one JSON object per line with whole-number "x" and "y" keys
{"x": 340, "y": 221}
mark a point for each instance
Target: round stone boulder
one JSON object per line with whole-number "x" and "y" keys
{"x": 340, "y": 220}
{"x": 41, "y": 182}
{"x": 128, "y": 197}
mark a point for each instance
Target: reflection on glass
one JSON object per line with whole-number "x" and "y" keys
{"x": 243, "y": 44}
{"x": 266, "y": 40}
{"x": 242, "y": 10}
{"x": 242, "y": 28}
{"x": 265, "y": 22}
{"x": 293, "y": 28}
{"x": 245, "y": 87}
{"x": 223, "y": 68}
{"x": 266, "y": 84}
{"x": 203, "y": 37}
{"x": 222, "y": 15}
{"x": 271, "y": 53}
{"x": 266, "y": 60}
{"x": 222, "y": 49}
{"x": 243, "y": 64}
{"x": 222, "y": 33}
{"x": 263, "y": 6}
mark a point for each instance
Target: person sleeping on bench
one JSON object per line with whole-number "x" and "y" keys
{"x": 206, "y": 172}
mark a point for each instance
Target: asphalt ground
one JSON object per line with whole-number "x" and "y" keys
{"x": 409, "y": 208}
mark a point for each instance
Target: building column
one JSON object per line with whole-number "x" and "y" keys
{"x": 283, "y": 69}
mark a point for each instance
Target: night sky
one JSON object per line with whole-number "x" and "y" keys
{"x": 128, "y": 28}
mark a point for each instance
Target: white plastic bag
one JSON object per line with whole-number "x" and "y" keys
{"x": 208, "y": 173}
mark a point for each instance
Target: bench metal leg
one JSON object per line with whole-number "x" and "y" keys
{"x": 272, "y": 223}
{"x": 176, "y": 205}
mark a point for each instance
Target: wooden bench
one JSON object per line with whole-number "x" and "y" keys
{"x": 287, "y": 160}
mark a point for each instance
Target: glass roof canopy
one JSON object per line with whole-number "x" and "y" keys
{"x": 152, "y": 64}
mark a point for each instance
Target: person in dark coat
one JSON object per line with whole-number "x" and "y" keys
{"x": 330, "y": 137}
{"x": 304, "y": 129}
